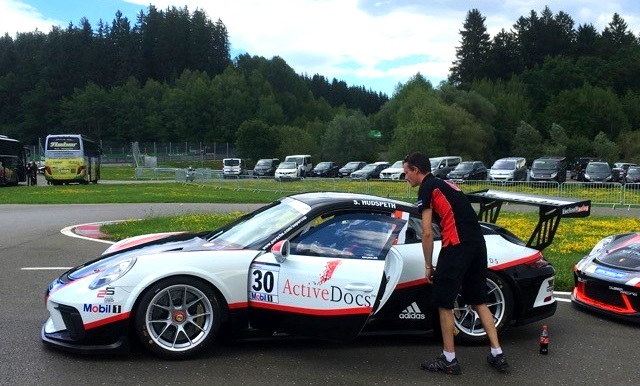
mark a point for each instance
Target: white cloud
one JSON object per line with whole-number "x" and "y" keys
{"x": 363, "y": 42}
{"x": 16, "y": 16}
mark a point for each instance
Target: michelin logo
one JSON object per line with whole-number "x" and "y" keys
{"x": 412, "y": 312}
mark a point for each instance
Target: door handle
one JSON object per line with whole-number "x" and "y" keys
{"x": 359, "y": 287}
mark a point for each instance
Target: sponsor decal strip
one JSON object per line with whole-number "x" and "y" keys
{"x": 105, "y": 321}
{"x": 234, "y": 306}
{"x": 412, "y": 283}
{"x": 315, "y": 312}
{"x": 513, "y": 263}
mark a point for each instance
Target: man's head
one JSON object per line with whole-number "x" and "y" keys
{"x": 416, "y": 166}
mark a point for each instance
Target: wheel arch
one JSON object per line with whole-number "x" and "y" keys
{"x": 224, "y": 305}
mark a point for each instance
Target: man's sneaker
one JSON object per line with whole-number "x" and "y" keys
{"x": 498, "y": 362}
{"x": 441, "y": 365}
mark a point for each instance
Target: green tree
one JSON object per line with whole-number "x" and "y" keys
{"x": 292, "y": 137}
{"x": 256, "y": 140}
{"x": 556, "y": 144}
{"x": 586, "y": 111}
{"x": 527, "y": 142}
{"x": 471, "y": 55}
{"x": 605, "y": 148}
{"x": 347, "y": 138}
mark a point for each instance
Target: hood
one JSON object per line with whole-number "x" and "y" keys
{"x": 168, "y": 240}
{"x": 626, "y": 257}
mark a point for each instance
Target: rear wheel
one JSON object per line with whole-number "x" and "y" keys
{"x": 178, "y": 318}
{"x": 500, "y": 303}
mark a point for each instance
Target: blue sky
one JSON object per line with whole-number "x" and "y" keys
{"x": 372, "y": 43}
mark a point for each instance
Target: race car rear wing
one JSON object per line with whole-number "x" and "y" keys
{"x": 551, "y": 210}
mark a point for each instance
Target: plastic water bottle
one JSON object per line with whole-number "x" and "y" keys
{"x": 544, "y": 341}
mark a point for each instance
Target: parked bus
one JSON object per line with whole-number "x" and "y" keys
{"x": 13, "y": 161}
{"x": 71, "y": 158}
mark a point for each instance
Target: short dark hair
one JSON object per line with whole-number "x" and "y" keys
{"x": 418, "y": 160}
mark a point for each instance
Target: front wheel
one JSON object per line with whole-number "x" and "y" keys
{"x": 500, "y": 303}
{"x": 178, "y": 318}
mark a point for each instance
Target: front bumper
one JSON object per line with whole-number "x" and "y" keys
{"x": 112, "y": 338}
{"x": 607, "y": 298}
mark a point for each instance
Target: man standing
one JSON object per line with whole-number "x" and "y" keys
{"x": 462, "y": 262}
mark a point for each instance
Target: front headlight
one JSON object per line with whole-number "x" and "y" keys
{"x": 586, "y": 176}
{"x": 602, "y": 244}
{"x": 113, "y": 272}
{"x": 554, "y": 174}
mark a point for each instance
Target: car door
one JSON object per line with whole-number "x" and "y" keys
{"x": 330, "y": 282}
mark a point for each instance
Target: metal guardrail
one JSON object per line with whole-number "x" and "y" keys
{"x": 613, "y": 194}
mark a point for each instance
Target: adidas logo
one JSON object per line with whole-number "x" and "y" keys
{"x": 412, "y": 312}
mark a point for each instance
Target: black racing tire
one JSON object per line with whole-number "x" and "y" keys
{"x": 178, "y": 317}
{"x": 500, "y": 303}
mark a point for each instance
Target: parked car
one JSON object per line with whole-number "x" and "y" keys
{"x": 509, "y": 169}
{"x": 441, "y": 166}
{"x": 350, "y": 167}
{"x": 325, "y": 169}
{"x": 469, "y": 170}
{"x": 370, "y": 171}
{"x": 317, "y": 264}
{"x": 549, "y": 169}
{"x": 304, "y": 163}
{"x": 579, "y": 165}
{"x": 607, "y": 279}
{"x": 633, "y": 175}
{"x": 234, "y": 167}
{"x": 598, "y": 172}
{"x": 287, "y": 170}
{"x": 266, "y": 167}
{"x": 393, "y": 172}
{"x": 620, "y": 170}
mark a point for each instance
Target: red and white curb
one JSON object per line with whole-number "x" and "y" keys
{"x": 89, "y": 231}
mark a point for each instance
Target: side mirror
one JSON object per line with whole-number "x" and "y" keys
{"x": 281, "y": 250}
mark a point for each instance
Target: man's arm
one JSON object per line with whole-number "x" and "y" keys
{"x": 427, "y": 242}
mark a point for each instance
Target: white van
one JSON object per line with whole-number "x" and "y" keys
{"x": 304, "y": 163}
{"x": 441, "y": 166}
{"x": 233, "y": 167}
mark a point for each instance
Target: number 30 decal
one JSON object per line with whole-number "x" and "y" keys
{"x": 264, "y": 283}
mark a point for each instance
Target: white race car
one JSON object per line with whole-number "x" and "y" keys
{"x": 318, "y": 264}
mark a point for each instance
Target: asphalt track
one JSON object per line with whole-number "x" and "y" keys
{"x": 585, "y": 349}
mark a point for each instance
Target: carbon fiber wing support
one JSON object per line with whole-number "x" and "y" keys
{"x": 550, "y": 211}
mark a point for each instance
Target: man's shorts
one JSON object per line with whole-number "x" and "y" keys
{"x": 461, "y": 269}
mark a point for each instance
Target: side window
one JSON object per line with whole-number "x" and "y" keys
{"x": 351, "y": 235}
{"x": 413, "y": 233}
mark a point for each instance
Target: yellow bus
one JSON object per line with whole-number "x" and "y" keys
{"x": 71, "y": 158}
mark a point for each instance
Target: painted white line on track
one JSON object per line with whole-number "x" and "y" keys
{"x": 68, "y": 231}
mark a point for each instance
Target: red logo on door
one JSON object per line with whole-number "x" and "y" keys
{"x": 328, "y": 271}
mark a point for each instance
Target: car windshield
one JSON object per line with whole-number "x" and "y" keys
{"x": 297, "y": 160}
{"x": 352, "y": 165}
{"x": 504, "y": 165}
{"x": 287, "y": 165}
{"x": 464, "y": 167}
{"x": 597, "y": 167}
{"x": 368, "y": 168}
{"x": 545, "y": 164}
{"x": 323, "y": 165}
{"x": 231, "y": 162}
{"x": 397, "y": 165}
{"x": 264, "y": 162}
{"x": 633, "y": 169}
{"x": 260, "y": 226}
